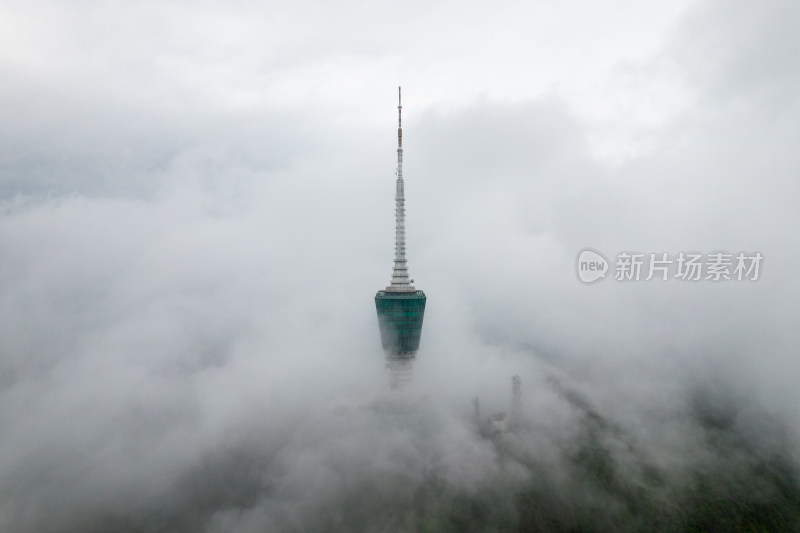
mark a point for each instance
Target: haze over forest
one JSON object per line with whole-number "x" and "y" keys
{"x": 196, "y": 209}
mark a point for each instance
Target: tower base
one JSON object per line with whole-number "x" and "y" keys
{"x": 400, "y": 371}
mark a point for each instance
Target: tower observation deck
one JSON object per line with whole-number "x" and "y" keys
{"x": 400, "y": 306}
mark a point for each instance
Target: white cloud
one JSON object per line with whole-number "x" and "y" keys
{"x": 196, "y": 209}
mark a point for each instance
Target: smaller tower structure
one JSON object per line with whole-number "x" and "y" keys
{"x": 516, "y": 398}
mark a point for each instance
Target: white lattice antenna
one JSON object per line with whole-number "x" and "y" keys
{"x": 400, "y": 280}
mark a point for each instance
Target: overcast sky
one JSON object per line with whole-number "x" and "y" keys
{"x": 196, "y": 209}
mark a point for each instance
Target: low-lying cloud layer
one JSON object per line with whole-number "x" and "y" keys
{"x": 187, "y": 335}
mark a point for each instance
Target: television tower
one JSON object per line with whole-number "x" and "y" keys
{"x": 401, "y": 307}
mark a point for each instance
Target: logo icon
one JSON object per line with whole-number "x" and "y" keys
{"x": 592, "y": 266}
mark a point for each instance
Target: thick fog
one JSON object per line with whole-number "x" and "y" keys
{"x": 196, "y": 210}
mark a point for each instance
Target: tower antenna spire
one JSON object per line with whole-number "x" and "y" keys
{"x": 399, "y": 112}
{"x": 400, "y": 279}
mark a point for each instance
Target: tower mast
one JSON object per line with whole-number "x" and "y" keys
{"x": 400, "y": 280}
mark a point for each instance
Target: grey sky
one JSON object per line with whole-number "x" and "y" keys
{"x": 196, "y": 210}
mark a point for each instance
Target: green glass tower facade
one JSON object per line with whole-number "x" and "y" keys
{"x": 400, "y": 317}
{"x": 400, "y": 307}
